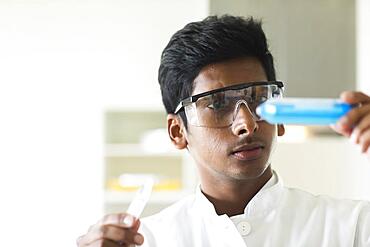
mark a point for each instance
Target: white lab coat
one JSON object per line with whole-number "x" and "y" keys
{"x": 276, "y": 216}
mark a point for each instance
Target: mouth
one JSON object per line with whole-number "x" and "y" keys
{"x": 248, "y": 151}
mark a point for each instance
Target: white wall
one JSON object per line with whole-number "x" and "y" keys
{"x": 363, "y": 44}
{"x": 313, "y": 42}
{"x": 61, "y": 64}
{"x": 324, "y": 166}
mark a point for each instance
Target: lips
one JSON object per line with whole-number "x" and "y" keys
{"x": 248, "y": 151}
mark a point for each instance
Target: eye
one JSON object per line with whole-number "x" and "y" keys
{"x": 216, "y": 105}
{"x": 211, "y": 107}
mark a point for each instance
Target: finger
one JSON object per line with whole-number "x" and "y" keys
{"x": 346, "y": 131}
{"x": 353, "y": 117}
{"x": 362, "y": 126}
{"x": 104, "y": 243}
{"x": 353, "y": 97}
{"x": 365, "y": 141}
{"x": 122, "y": 220}
{"x": 136, "y": 225}
{"x": 113, "y": 233}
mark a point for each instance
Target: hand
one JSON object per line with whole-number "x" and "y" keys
{"x": 111, "y": 231}
{"x": 356, "y": 123}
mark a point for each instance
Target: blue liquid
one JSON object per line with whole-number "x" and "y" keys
{"x": 303, "y": 111}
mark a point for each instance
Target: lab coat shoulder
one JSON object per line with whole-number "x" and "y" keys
{"x": 298, "y": 197}
{"x": 324, "y": 213}
{"x": 363, "y": 231}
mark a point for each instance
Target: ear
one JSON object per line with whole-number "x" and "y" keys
{"x": 176, "y": 131}
{"x": 281, "y": 129}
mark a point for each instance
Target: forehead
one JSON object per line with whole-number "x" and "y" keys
{"x": 228, "y": 73}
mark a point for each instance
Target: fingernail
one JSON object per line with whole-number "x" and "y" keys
{"x": 343, "y": 120}
{"x": 128, "y": 220}
{"x": 138, "y": 239}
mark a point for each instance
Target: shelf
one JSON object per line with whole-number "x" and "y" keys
{"x": 119, "y": 150}
{"x": 137, "y": 142}
{"x": 157, "y": 197}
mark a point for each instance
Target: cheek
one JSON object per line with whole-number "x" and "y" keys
{"x": 207, "y": 141}
{"x": 273, "y": 137}
{"x": 215, "y": 145}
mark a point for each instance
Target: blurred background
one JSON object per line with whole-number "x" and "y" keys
{"x": 81, "y": 114}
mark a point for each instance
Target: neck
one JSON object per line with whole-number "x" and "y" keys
{"x": 230, "y": 197}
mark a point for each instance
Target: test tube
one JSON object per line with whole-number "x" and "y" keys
{"x": 141, "y": 198}
{"x": 303, "y": 111}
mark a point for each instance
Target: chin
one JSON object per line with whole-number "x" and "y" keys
{"x": 249, "y": 170}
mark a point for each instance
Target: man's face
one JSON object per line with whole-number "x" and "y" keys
{"x": 241, "y": 151}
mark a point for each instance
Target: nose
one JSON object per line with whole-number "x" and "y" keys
{"x": 244, "y": 122}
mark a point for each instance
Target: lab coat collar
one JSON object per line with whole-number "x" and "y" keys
{"x": 262, "y": 203}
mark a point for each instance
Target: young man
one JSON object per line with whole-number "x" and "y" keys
{"x": 225, "y": 65}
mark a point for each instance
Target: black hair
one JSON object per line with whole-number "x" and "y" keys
{"x": 198, "y": 44}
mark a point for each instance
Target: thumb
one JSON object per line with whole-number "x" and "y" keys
{"x": 352, "y": 97}
{"x": 136, "y": 225}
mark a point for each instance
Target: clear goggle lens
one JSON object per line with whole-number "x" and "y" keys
{"x": 220, "y": 109}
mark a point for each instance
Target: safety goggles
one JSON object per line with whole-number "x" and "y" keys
{"x": 218, "y": 108}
